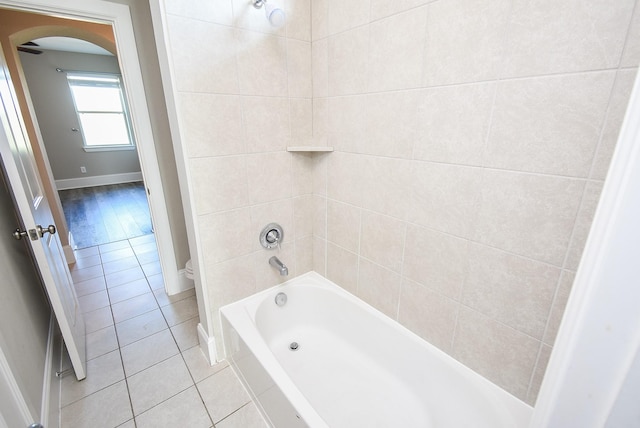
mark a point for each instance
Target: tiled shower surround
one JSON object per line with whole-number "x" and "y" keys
{"x": 471, "y": 144}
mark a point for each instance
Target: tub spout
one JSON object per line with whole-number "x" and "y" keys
{"x": 276, "y": 263}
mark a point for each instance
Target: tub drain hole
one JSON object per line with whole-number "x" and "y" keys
{"x": 294, "y": 346}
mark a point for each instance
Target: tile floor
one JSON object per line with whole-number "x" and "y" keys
{"x": 145, "y": 367}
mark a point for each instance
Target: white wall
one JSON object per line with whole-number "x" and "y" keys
{"x": 56, "y": 115}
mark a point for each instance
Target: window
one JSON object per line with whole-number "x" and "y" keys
{"x": 102, "y": 111}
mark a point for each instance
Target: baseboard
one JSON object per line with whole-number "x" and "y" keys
{"x": 207, "y": 345}
{"x": 98, "y": 180}
{"x": 51, "y": 386}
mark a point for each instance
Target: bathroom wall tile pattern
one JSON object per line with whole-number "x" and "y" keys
{"x": 465, "y": 41}
{"x": 549, "y": 125}
{"x": 239, "y": 109}
{"x": 615, "y": 116}
{"x": 631, "y": 53}
{"x": 472, "y": 136}
{"x": 548, "y": 37}
{"x": 492, "y": 162}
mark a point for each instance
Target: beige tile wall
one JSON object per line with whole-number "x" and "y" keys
{"x": 244, "y": 95}
{"x": 472, "y": 139}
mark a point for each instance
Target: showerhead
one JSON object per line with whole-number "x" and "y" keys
{"x": 275, "y": 15}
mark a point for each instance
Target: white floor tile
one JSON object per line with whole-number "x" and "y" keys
{"x": 117, "y": 255}
{"x": 80, "y": 275}
{"x": 183, "y": 410}
{"x": 139, "y": 327}
{"x": 85, "y": 262}
{"x": 90, "y": 286}
{"x": 86, "y": 252}
{"x": 113, "y": 246}
{"x": 186, "y": 334}
{"x": 101, "y": 373}
{"x": 128, "y": 290}
{"x": 118, "y": 278}
{"x": 152, "y": 268}
{"x": 158, "y": 383}
{"x": 148, "y": 351}
{"x": 164, "y": 300}
{"x": 152, "y": 329}
{"x": 98, "y": 319}
{"x": 133, "y": 307}
{"x": 199, "y": 366}
{"x": 247, "y": 417}
{"x": 156, "y": 281}
{"x": 107, "y": 408}
{"x": 223, "y": 394}
{"x": 119, "y": 265}
{"x": 141, "y": 240}
{"x": 181, "y": 311}
{"x": 93, "y": 301}
{"x": 147, "y": 257}
{"x": 147, "y": 247}
{"x": 101, "y": 342}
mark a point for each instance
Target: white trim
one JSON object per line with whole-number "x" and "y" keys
{"x": 207, "y": 345}
{"x": 90, "y": 149}
{"x": 600, "y": 332}
{"x": 184, "y": 282}
{"x": 49, "y": 374}
{"x": 98, "y": 180}
{"x": 158, "y": 16}
{"x": 119, "y": 16}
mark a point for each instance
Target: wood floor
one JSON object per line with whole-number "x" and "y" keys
{"x": 103, "y": 214}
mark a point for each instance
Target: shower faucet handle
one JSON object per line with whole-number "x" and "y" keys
{"x": 271, "y": 236}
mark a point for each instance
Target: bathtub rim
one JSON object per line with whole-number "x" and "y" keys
{"x": 244, "y": 311}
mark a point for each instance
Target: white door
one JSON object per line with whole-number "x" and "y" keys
{"x": 34, "y": 210}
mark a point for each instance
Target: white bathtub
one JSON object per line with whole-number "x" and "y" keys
{"x": 354, "y": 367}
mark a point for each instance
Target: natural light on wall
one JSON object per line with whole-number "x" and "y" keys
{"x": 102, "y": 112}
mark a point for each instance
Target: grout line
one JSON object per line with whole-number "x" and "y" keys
{"x": 119, "y": 345}
{"x": 240, "y": 408}
{"x": 402, "y": 260}
{"x": 457, "y": 165}
{"x": 449, "y": 234}
{"x": 533, "y": 372}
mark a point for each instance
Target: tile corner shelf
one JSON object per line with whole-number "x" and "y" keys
{"x": 309, "y": 149}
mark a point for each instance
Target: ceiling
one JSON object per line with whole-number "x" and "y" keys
{"x": 68, "y": 44}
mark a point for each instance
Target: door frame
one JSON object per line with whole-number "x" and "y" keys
{"x": 119, "y": 17}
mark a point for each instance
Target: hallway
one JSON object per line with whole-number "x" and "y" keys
{"x": 145, "y": 368}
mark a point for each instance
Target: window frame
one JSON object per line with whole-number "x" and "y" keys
{"x": 123, "y": 102}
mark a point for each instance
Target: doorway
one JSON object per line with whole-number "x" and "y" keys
{"x": 76, "y": 91}
{"x": 117, "y": 17}
{"x": 95, "y": 21}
